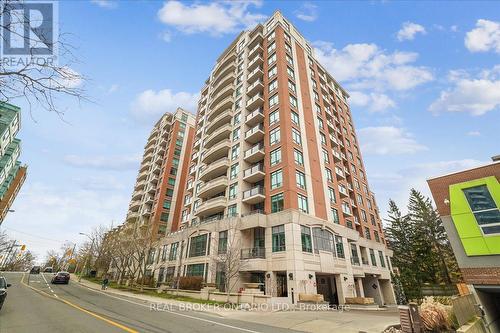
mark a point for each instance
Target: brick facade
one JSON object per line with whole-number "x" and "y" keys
{"x": 481, "y": 275}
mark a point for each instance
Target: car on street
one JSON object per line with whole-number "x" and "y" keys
{"x": 3, "y": 290}
{"x": 60, "y": 277}
{"x": 35, "y": 270}
{"x": 48, "y": 270}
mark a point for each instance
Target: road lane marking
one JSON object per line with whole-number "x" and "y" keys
{"x": 175, "y": 313}
{"x": 111, "y": 322}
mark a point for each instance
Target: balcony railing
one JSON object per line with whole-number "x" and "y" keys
{"x": 253, "y": 253}
{"x": 355, "y": 261}
{"x": 253, "y": 169}
{"x": 253, "y": 191}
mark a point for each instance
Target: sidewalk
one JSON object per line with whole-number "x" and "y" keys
{"x": 352, "y": 321}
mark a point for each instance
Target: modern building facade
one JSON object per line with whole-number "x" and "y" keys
{"x": 276, "y": 166}
{"x": 12, "y": 173}
{"x": 468, "y": 202}
{"x": 157, "y": 197}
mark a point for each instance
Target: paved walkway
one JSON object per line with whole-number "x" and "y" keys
{"x": 350, "y": 321}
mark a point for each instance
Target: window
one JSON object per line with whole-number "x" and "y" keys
{"x": 296, "y": 137}
{"x": 484, "y": 209}
{"x": 272, "y": 71}
{"x": 335, "y": 215}
{"x": 274, "y": 117}
{"x": 173, "y": 251}
{"x": 290, "y": 72}
{"x": 326, "y": 159}
{"x": 167, "y": 204}
{"x": 277, "y": 203}
{"x": 274, "y": 100}
{"x": 232, "y": 210}
{"x": 271, "y": 47}
{"x": 323, "y": 138}
{"x": 363, "y": 216}
{"x": 275, "y": 156}
{"x": 236, "y": 134}
{"x": 278, "y": 238}
{"x": 237, "y": 118}
{"x": 164, "y": 217}
{"x": 302, "y": 201}
{"x": 367, "y": 233}
{"x": 234, "y": 171}
{"x": 305, "y": 235}
{"x": 295, "y": 118}
{"x": 293, "y": 101}
{"x": 235, "y": 152}
{"x": 276, "y": 179}
{"x": 372, "y": 257}
{"x": 329, "y": 175}
{"x": 381, "y": 258}
{"x": 222, "y": 246}
{"x": 377, "y": 237}
{"x": 273, "y": 85}
{"x": 271, "y": 59}
{"x": 339, "y": 247}
{"x": 198, "y": 246}
{"x": 171, "y": 181}
{"x": 289, "y": 60}
{"x": 288, "y": 48}
{"x": 331, "y": 195}
{"x": 164, "y": 252}
{"x": 323, "y": 240}
{"x": 274, "y": 136}
{"x": 272, "y": 35}
{"x": 195, "y": 270}
{"x": 232, "y": 191}
{"x": 299, "y": 158}
{"x": 301, "y": 179}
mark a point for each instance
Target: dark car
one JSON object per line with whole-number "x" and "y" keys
{"x": 3, "y": 290}
{"x": 60, "y": 277}
{"x": 35, "y": 270}
{"x": 48, "y": 270}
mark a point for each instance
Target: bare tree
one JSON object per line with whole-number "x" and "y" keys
{"x": 39, "y": 83}
{"x": 22, "y": 261}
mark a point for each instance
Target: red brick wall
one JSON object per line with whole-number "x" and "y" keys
{"x": 481, "y": 275}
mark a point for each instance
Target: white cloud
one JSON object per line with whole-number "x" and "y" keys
{"x": 308, "y": 12}
{"x": 152, "y": 104}
{"x": 388, "y": 140}
{"x": 366, "y": 66}
{"x": 475, "y": 95}
{"x": 216, "y": 18}
{"x": 373, "y": 101}
{"x": 113, "y": 88}
{"x": 474, "y": 133}
{"x": 108, "y": 4}
{"x": 409, "y": 30}
{"x": 166, "y": 36}
{"x": 485, "y": 37}
{"x": 454, "y": 28}
{"x": 106, "y": 162}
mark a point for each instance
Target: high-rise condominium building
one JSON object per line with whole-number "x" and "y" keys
{"x": 157, "y": 197}
{"x": 276, "y": 165}
{"x": 12, "y": 173}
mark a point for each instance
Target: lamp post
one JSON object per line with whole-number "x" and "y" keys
{"x": 88, "y": 255}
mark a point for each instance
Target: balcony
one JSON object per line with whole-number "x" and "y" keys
{"x": 213, "y": 187}
{"x": 226, "y": 91}
{"x": 253, "y": 253}
{"x": 255, "y": 134}
{"x": 225, "y": 80}
{"x": 140, "y": 185}
{"x": 222, "y": 119}
{"x": 149, "y": 199}
{"x": 257, "y": 73}
{"x": 343, "y": 192}
{"x": 256, "y": 61}
{"x": 334, "y": 140}
{"x": 255, "y": 87}
{"x": 255, "y": 50}
{"x": 215, "y": 169}
{"x": 255, "y": 102}
{"x": 143, "y": 175}
{"x": 223, "y": 64}
{"x": 134, "y": 205}
{"x": 151, "y": 189}
{"x": 132, "y": 216}
{"x": 220, "y": 134}
{"x": 217, "y": 151}
{"x": 257, "y": 116}
{"x": 254, "y": 174}
{"x": 222, "y": 106}
{"x": 254, "y": 154}
{"x": 336, "y": 156}
{"x": 196, "y": 143}
{"x": 254, "y": 195}
{"x": 212, "y": 206}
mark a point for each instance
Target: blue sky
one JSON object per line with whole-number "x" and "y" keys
{"x": 424, "y": 79}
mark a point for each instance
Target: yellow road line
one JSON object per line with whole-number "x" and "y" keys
{"x": 109, "y": 321}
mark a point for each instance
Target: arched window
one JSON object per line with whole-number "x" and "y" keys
{"x": 323, "y": 240}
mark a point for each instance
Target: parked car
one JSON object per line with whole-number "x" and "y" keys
{"x": 3, "y": 290}
{"x": 60, "y": 277}
{"x": 35, "y": 270}
{"x": 48, "y": 270}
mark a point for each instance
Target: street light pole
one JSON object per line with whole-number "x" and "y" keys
{"x": 88, "y": 255}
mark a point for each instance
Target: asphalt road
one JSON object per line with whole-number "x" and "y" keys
{"x": 42, "y": 307}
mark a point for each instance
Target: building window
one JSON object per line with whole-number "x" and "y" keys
{"x": 271, "y": 59}
{"x": 302, "y": 201}
{"x": 301, "y": 179}
{"x": 288, "y": 48}
{"x": 289, "y": 60}
{"x": 367, "y": 233}
{"x": 277, "y": 203}
{"x": 293, "y": 101}
{"x": 339, "y": 247}
{"x": 296, "y": 137}
{"x": 272, "y": 71}
{"x": 222, "y": 246}
{"x": 232, "y": 210}
{"x": 484, "y": 209}
{"x": 164, "y": 252}
{"x": 381, "y": 258}
{"x": 273, "y": 85}
{"x": 295, "y": 118}
{"x": 274, "y": 136}
{"x": 195, "y": 270}
{"x": 276, "y": 179}
{"x": 326, "y": 159}
{"x": 271, "y": 47}
{"x": 235, "y": 152}
{"x": 290, "y": 72}
{"x": 329, "y": 175}
{"x": 173, "y": 251}
{"x": 167, "y": 204}
{"x": 164, "y": 217}
{"x": 170, "y": 192}
{"x": 198, "y": 246}
{"x": 236, "y": 134}
{"x": 274, "y": 117}
{"x": 278, "y": 238}
{"x": 335, "y": 214}
{"x": 292, "y": 87}
{"x": 305, "y": 235}
{"x": 274, "y": 100}
{"x": 171, "y": 181}
{"x": 331, "y": 195}
{"x": 323, "y": 240}
{"x": 372, "y": 257}
{"x": 275, "y": 156}
{"x": 299, "y": 158}
{"x": 237, "y": 119}
{"x": 232, "y": 191}
{"x": 234, "y": 171}
{"x": 323, "y": 138}
{"x": 377, "y": 237}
